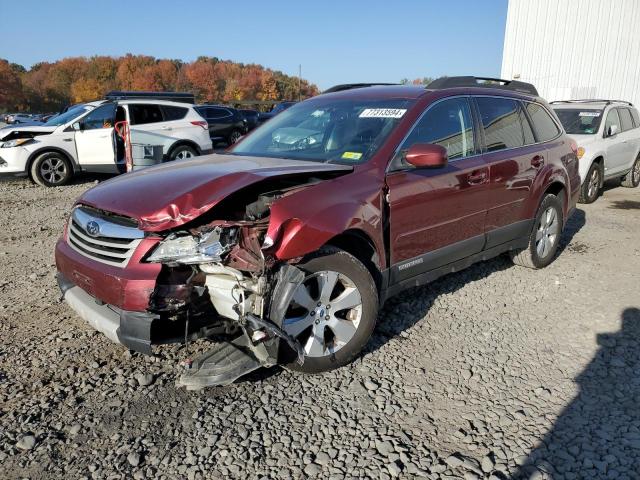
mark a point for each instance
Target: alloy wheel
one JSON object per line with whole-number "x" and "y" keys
{"x": 183, "y": 155}
{"x": 325, "y": 313}
{"x": 594, "y": 183}
{"x": 636, "y": 172}
{"x": 547, "y": 232}
{"x": 235, "y": 136}
{"x": 53, "y": 170}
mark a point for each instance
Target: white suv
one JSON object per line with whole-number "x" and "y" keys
{"x": 606, "y": 149}
{"x": 84, "y": 139}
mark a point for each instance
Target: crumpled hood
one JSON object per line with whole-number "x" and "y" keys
{"x": 34, "y": 128}
{"x": 169, "y": 195}
{"x": 585, "y": 140}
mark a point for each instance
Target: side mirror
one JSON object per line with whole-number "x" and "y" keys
{"x": 613, "y": 130}
{"x": 427, "y": 155}
{"x": 77, "y": 126}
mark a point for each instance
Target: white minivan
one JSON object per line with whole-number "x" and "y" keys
{"x": 84, "y": 138}
{"x": 608, "y": 136}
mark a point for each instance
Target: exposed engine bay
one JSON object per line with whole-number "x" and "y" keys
{"x": 225, "y": 270}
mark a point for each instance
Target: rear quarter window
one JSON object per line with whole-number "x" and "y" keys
{"x": 625, "y": 119}
{"x": 543, "y": 124}
{"x": 174, "y": 113}
{"x": 636, "y": 118}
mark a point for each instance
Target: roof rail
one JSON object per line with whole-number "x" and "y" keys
{"x": 349, "y": 86}
{"x": 594, "y": 100}
{"x": 183, "y": 97}
{"x": 487, "y": 82}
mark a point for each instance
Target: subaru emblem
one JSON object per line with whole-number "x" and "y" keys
{"x": 93, "y": 228}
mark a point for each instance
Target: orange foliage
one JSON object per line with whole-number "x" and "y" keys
{"x": 49, "y": 86}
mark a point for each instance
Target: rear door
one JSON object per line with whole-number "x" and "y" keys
{"x": 437, "y": 215}
{"x": 629, "y": 138}
{"x": 95, "y": 140}
{"x": 220, "y": 122}
{"x": 148, "y": 126}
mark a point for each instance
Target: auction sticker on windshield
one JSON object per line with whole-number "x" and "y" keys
{"x": 352, "y": 155}
{"x": 383, "y": 113}
{"x": 589, "y": 114}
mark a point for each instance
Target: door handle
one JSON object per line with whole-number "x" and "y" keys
{"x": 537, "y": 161}
{"x": 476, "y": 178}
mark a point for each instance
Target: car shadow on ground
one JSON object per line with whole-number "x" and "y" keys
{"x": 416, "y": 302}
{"x": 598, "y": 434}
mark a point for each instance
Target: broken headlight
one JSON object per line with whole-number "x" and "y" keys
{"x": 188, "y": 249}
{"x": 15, "y": 143}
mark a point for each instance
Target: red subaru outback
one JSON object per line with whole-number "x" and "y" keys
{"x": 282, "y": 249}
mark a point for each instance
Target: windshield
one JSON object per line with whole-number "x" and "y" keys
{"x": 67, "y": 116}
{"x": 579, "y": 121}
{"x": 338, "y": 131}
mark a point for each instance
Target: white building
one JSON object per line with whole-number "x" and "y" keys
{"x": 572, "y": 49}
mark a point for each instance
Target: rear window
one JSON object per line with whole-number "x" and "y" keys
{"x": 174, "y": 113}
{"x": 543, "y": 124}
{"x": 501, "y": 123}
{"x": 625, "y": 119}
{"x": 583, "y": 121}
{"x": 144, "y": 113}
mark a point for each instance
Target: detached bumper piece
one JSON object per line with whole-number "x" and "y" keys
{"x": 131, "y": 329}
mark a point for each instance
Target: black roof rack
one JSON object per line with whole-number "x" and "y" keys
{"x": 183, "y": 97}
{"x": 453, "y": 82}
{"x": 594, "y": 100}
{"x": 349, "y": 86}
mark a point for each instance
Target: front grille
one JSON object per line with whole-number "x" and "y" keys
{"x": 109, "y": 242}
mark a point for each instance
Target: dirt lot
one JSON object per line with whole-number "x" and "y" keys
{"x": 494, "y": 372}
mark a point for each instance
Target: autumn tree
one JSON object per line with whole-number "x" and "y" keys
{"x": 11, "y": 92}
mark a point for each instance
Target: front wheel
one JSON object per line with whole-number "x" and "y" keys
{"x": 183, "y": 152}
{"x": 632, "y": 179}
{"x": 333, "y": 311}
{"x": 51, "y": 169}
{"x": 590, "y": 188}
{"x": 545, "y": 236}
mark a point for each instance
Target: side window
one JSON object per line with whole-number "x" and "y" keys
{"x": 501, "y": 123}
{"x": 636, "y": 118}
{"x": 142, "y": 114}
{"x": 612, "y": 119}
{"x": 625, "y": 119}
{"x": 449, "y": 124}
{"x": 544, "y": 125}
{"x": 101, "y": 117}
{"x": 529, "y": 138}
{"x": 173, "y": 113}
{"x": 215, "y": 112}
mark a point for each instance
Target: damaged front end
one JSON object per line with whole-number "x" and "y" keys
{"x": 222, "y": 281}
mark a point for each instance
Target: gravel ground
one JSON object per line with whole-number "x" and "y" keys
{"x": 494, "y": 372}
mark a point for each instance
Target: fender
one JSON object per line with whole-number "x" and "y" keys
{"x": 549, "y": 175}
{"x": 336, "y": 206}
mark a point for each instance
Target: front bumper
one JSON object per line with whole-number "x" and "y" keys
{"x": 13, "y": 161}
{"x": 131, "y": 329}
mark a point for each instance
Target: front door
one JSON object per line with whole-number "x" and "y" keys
{"x": 95, "y": 139}
{"x": 437, "y": 215}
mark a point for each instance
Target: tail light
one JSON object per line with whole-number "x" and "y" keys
{"x": 201, "y": 123}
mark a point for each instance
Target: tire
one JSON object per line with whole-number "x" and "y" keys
{"x": 545, "y": 235}
{"x": 632, "y": 179}
{"x": 234, "y": 136}
{"x": 51, "y": 169}
{"x": 344, "y": 331}
{"x": 590, "y": 188}
{"x": 183, "y": 152}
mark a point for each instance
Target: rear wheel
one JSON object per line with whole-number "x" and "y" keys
{"x": 333, "y": 311}
{"x": 632, "y": 179}
{"x": 51, "y": 169}
{"x": 183, "y": 152}
{"x": 545, "y": 236}
{"x": 234, "y": 137}
{"x": 590, "y": 188}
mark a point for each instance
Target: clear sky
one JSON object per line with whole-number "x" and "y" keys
{"x": 335, "y": 41}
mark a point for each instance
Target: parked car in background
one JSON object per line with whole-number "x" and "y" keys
{"x": 19, "y": 118}
{"x": 84, "y": 139}
{"x": 284, "y": 251}
{"x": 278, "y": 108}
{"x": 608, "y": 136}
{"x": 252, "y": 117}
{"x": 226, "y": 124}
